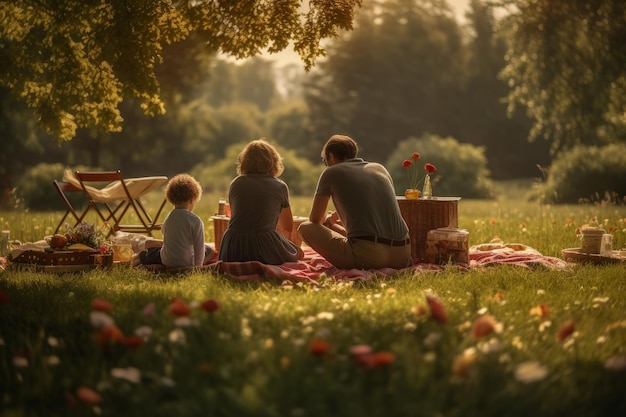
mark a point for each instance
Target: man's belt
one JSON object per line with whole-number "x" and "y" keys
{"x": 385, "y": 241}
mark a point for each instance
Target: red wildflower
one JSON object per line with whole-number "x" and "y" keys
{"x": 132, "y": 342}
{"x": 99, "y": 304}
{"x": 179, "y": 308}
{"x": 437, "y": 311}
{"x": 430, "y": 168}
{"x": 108, "y": 336}
{"x": 483, "y": 326}
{"x": 566, "y": 329}
{"x": 415, "y": 156}
{"x": 319, "y": 347}
{"x": 210, "y": 305}
{"x": 406, "y": 163}
{"x": 88, "y": 396}
{"x": 383, "y": 359}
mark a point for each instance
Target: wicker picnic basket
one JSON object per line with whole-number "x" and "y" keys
{"x": 424, "y": 215}
{"x": 58, "y": 258}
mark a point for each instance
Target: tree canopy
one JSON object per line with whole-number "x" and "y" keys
{"x": 566, "y": 64}
{"x": 74, "y": 61}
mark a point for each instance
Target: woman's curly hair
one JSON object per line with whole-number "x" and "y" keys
{"x": 259, "y": 157}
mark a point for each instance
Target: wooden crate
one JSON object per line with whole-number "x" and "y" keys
{"x": 424, "y": 215}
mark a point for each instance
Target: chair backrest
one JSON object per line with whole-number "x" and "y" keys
{"x": 66, "y": 187}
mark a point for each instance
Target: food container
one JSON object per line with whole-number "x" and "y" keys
{"x": 446, "y": 245}
{"x": 122, "y": 250}
{"x": 592, "y": 240}
{"x": 606, "y": 245}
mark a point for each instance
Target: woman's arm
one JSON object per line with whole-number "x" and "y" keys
{"x": 285, "y": 219}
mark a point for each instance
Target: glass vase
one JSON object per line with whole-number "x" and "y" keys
{"x": 412, "y": 194}
{"x": 427, "y": 191}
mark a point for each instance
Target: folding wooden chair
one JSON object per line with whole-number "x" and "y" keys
{"x": 112, "y": 201}
{"x": 63, "y": 188}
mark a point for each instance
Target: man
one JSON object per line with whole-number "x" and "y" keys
{"x": 367, "y": 231}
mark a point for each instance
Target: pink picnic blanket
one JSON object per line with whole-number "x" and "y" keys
{"x": 310, "y": 269}
{"x": 497, "y": 253}
{"x": 314, "y": 267}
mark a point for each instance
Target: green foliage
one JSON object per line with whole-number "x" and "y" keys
{"x": 73, "y": 62}
{"x": 288, "y": 125}
{"x": 461, "y": 168}
{"x": 566, "y": 64}
{"x": 586, "y": 174}
{"x": 36, "y": 192}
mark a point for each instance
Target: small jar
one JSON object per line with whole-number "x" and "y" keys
{"x": 221, "y": 207}
{"x": 592, "y": 240}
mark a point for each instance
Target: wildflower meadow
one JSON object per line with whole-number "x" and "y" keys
{"x": 502, "y": 340}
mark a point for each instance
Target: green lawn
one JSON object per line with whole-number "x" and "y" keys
{"x": 272, "y": 350}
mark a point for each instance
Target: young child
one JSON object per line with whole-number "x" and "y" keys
{"x": 183, "y": 231}
{"x": 259, "y": 201}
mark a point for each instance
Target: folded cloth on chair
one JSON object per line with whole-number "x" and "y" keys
{"x": 114, "y": 191}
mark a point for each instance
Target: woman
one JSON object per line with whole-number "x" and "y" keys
{"x": 259, "y": 201}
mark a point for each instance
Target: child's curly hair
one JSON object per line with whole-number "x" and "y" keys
{"x": 259, "y": 157}
{"x": 182, "y": 188}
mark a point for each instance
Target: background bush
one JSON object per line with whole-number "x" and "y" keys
{"x": 461, "y": 168}
{"x": 36, "y": 192}
{"x": 585, "y": 174}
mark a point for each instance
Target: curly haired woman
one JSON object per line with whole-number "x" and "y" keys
{"x": 259, "y": 201}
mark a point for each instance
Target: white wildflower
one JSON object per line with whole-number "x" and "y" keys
{"x": 129, "y": 374}
{"x": 530, "y": 371}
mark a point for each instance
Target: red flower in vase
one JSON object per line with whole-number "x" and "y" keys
{"x": 412, "y": 170}
{"x": 430, "y": 168}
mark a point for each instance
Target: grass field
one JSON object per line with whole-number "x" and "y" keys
{"x": 516, "y": 341}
